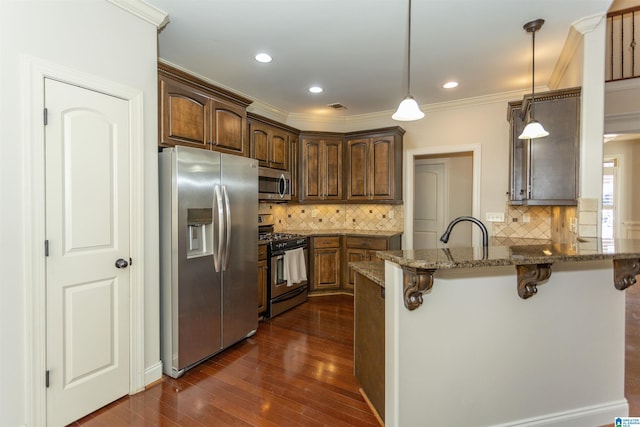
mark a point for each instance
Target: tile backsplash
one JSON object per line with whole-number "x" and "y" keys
{"x": 335, "y": 216}
{"x": 531, "y": 222}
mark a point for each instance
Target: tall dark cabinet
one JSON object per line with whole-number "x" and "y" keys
{"x": 544, "y": 171}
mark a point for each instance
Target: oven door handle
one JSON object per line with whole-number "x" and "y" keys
{"x": 290, "y": 295}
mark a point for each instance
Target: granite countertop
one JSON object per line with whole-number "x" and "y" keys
{"x": 346, "y": 231}
{"x": 373, "y": 270}
{"x": 514, "y": 254}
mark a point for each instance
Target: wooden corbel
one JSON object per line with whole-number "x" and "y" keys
{"x": 624, "y": 272}
{"x": 530, "y": 276}
{"x": 415, "y": 282}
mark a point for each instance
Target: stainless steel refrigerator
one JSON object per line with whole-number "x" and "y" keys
{"x": 208, "y": 254}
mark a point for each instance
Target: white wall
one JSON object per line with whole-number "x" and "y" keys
{"x": 94, "y": 37}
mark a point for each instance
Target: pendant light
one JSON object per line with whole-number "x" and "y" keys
{"x": 408, "y": 109}
{"x": 534, "y": 128}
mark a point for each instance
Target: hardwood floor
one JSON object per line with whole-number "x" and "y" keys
{"x": 296, "y": 371}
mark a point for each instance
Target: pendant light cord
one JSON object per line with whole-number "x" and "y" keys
{"x": 533, "y": 74}
{"x": 409, "y": 51}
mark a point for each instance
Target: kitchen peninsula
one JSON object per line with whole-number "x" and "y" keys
{"x": 506, "y": 335}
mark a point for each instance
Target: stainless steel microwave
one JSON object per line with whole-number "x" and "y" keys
{"x": 274, "y": 185}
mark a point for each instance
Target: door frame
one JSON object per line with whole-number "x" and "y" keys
{"x": 35, "y": 70}
{"x": 409, "y": 176}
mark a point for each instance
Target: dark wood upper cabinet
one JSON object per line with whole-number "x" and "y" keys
{"x": 321, "y": 169}
{"x": 374, "y": 165}
{"x": 270, "y": 142}
{"x": 544, "y": 171}
{"x": 197, "y": 114}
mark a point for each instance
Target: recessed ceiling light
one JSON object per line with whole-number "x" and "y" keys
{"x": 315, "y": 89}
{"x": 450, "y": 85}
{"x": 263, "y": 57}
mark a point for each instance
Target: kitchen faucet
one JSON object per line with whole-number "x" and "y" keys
{"x": 485, "y": 233}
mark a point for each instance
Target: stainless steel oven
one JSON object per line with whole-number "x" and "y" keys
{"x": 282, "y": 294}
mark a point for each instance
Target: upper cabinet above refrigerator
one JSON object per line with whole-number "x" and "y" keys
{"x": 196, "y": 114}
{"x": 544, "y": 171}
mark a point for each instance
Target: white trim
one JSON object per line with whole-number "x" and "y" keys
{"x": 588, "y": 23}
{"x": 589, "y": 415}
{"x": 144, "y": 11}
{"x": 409, "y": 176}
{"x": 153, "y": 373}
{"x": 35, "y": 71}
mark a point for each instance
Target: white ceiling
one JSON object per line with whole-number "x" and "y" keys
{"x": 356, "y": 49}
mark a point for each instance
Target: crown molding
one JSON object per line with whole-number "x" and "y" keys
{"x": 144, "y": 11}
{"x": 588, "y": 23}
{"x": 571, "y": 44}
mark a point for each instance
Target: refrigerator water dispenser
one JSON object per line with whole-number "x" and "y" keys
{"x": 200, "y": 232}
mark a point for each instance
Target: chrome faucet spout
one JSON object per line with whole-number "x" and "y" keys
{"x": 485, "y": 234}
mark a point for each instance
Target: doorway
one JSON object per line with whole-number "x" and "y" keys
{"x": 442, "y": 191}
{"x": 415, "y": 189}
{"x": 35, "y": 235}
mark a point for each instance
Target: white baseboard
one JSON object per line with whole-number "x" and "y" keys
{"x": 596, "y": 415}
{"x": 153, "y": 373}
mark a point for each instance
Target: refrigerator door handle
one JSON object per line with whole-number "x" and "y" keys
{"x": 227, "y": 208}
{"x": 217, "y": 249}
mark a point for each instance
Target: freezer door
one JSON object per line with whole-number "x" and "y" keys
{"x": 239, "y": 261}
{"x": 192, "y": 292}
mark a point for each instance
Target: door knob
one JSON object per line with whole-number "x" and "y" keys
{"x": 121, "y": 263}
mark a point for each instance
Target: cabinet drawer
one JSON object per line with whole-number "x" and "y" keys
{"x": 367, "y": 243}
{"x": 326, "y": 242}
{"x": 262, "y": 252}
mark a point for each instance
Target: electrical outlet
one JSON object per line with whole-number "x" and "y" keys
{"x": 495, "y": 216}
{"x": 526, "y": 218}
{"x": 314, "y": 213}
{"x": 391, "y": 214}
{"x": 573, "y": 224}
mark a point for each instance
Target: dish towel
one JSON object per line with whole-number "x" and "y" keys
{"x": 295, "y": 270}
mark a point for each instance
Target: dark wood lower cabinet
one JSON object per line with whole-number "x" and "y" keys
{"x": 263, "y": 278}
{"x": 326, "y": 263}
{"x": 331, "y": 256}
{"x": 369, "y": 340}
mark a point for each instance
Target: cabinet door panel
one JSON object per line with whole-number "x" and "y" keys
{"x": 358, "y": 164}
{"x": 229, "y": 124}
{"x": 382, "y": 168}
{"x": 333, "y": 170}
{"x": 553, "y": 163}
{"x": 312, "y": 172}
{"x": 184, "y": 115}
{"x": 262, "y": 286}
{"x": 259, "y": 144}
{"x": 326, "y": 271}
{"x": 293, "y": 165}
{"x": 279, "y": 152}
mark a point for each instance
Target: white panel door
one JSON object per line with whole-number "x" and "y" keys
{"x": 87, "y": 228}
{"x": 429, "y": 205}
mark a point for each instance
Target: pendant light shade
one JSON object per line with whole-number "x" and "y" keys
{"x": 408, "y": 109}
{"x": 534, "y": 128}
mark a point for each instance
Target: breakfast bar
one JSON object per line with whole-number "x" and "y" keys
{"x": 509, "y": 334}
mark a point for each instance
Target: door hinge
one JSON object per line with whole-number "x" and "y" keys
{"x": 46, "y": 379}
{"x": 46, "y": 117}
{"x": 130, "y": 262}
{"x": 46, "y": 248}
